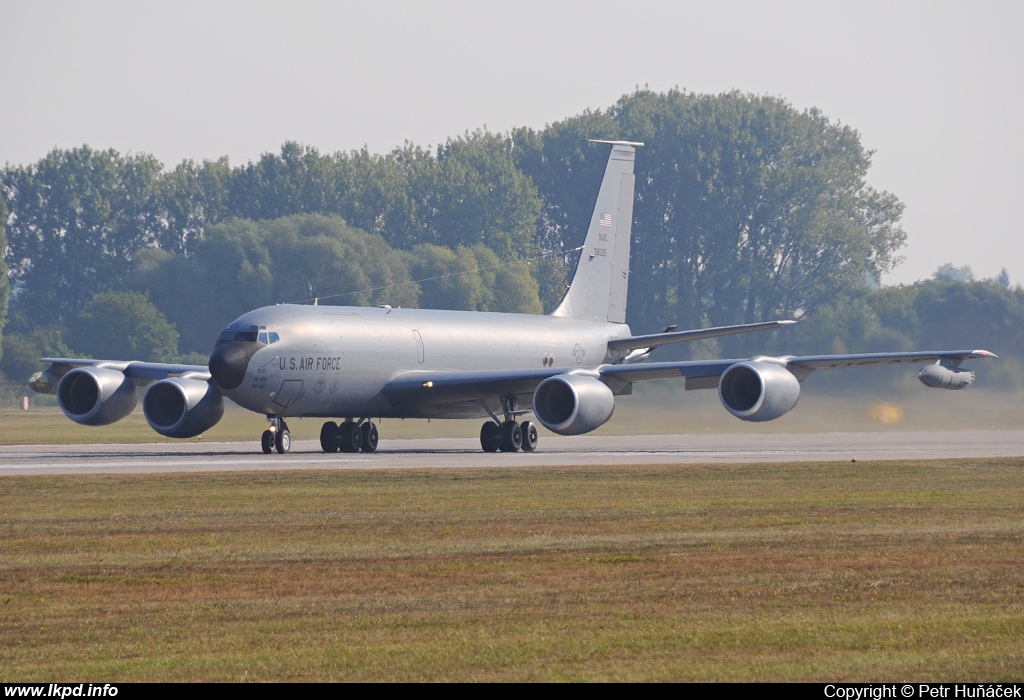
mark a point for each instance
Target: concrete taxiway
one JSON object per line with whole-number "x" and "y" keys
{"x": 554, "y": 451}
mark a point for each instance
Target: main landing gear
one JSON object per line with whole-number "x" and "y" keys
{"x": 508, "y": 435}
{"x": 277, "y": 437}
{"x": 350, "y": 436}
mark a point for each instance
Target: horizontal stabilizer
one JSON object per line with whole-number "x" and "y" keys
{"x": 658, "y": 339}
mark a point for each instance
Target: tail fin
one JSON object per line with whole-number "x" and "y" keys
{"x": 598, "y": 288}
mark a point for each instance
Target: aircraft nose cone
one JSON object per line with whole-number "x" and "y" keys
{"x": 228, "y": 363}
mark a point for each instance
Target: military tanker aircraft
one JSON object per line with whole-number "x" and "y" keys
{"x": 356, "y": 364}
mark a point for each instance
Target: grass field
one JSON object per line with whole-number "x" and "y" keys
{"x": 852, "y": 572}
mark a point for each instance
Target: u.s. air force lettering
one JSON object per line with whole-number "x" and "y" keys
{"x": 309, "y": 363}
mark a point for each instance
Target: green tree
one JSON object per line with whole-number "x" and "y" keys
{"x": 22, "y": 351}
{"x": 5, "y": 283}
{"x": 449, "y": 278}
{"x": 195, "y": 197}
{"x": 376, "y": 193}
{"x": 240, "y": 265}
{"x": 952, "y": 272}
{"x": 229, "y": 274}
{"x": 971, "y": 314}
{"x": 509, "y": 286}
{"x": 478, "y": 195}
{"x": 567, "y": 171}
{"x": 296, "y": 181}
{"x": 123, "y": 326}
{"x": 319, "y": 256}
{"x": 746, "y": 209}
{"x": 77, "y": 217}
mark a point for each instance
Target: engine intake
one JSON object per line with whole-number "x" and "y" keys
{"x": 572, "y": 404}
{"x": 96, "y": 396}
{"x": 758, "y": 391}
{"x": 182, "y": 408}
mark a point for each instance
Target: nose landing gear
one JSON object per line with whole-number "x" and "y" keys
{"x": 276, "y": 437}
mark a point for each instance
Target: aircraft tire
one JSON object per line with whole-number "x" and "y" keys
{"x": 511, "y": 436}
{"x": 329, "y": 437}
{"x": 490, "y": 436}
{"x": 530, "y": 436}
{"x": 350, "y": 437}
{"x": 283, "y": 442}
{"x": 370, "y": 437}
{"x": 267, "y": 442}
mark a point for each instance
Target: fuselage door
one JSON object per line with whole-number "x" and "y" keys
{"x": 419, "y": 346}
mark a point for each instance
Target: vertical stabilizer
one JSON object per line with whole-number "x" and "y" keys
{"x": 598, "y": 288}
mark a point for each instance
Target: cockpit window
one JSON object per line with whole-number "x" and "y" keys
{"x": 229, "y": 335}
{"x": 252, "y": 334}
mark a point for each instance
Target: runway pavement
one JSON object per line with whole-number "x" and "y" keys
{"x": 191, "y": 456}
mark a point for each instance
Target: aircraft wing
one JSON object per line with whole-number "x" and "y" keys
{"x": 705, "y": 374}
{"x": 952, "y": 357}
{"x": 452, "y": 386}
{"x": 449, "y": 386}
{"x": 140, "y": 372}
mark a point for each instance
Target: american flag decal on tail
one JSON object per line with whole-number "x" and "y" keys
{"x": 606, "y": 219}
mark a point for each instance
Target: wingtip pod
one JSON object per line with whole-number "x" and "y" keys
{"x": 941, "y": 377}
{"x": 44, "y": 382}
{"x": 947, "y": 374}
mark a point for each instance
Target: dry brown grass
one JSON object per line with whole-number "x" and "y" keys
{"x": 875, "y": 571}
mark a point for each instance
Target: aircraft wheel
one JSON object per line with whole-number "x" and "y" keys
{"x": 511, "y": 436}
{"x": 530, "y": 436}
{"x": 267, "y": 442}
{"x": 490, "y": 436}
{"x": 370, "y": 436}
{"x": 350, "y": 437}
{"x": 283, "y": 442}
{"x": 329, "y": 437}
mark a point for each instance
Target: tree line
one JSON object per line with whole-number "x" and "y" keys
{"x": 746, "y": 209}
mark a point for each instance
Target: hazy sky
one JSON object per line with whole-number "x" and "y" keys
{"x": 936, "y": 89}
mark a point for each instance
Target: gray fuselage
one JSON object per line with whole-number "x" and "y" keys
{"x": 334, "y": 361}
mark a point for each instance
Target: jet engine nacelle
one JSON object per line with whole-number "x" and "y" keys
{"x": 572, "y": 404}
{"x": 758, "y": 391}
{"x": 96, "y": 396}
{"x": 182, "y": 408}
{"x": 942, "y": 377}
